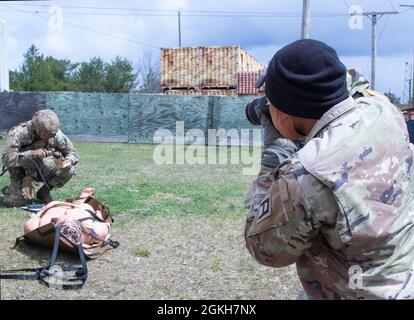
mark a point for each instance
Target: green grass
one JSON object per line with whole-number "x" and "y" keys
{"x": 126, "y": 177}
{"x": 180, "y": 229}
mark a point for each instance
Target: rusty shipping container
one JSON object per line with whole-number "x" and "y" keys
{"x": 246, "y": 84}
{"x": 203, "y": 92}
{"x": 205, "y": 67}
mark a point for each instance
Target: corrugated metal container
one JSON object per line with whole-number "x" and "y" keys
{"x": 246, "y": 84}
{"x": 203, "y": 92}
{"x": 205, "y": 67}
{"x": 180, "y": 67}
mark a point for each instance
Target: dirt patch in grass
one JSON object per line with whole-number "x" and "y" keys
{"x": 158, "y": 197}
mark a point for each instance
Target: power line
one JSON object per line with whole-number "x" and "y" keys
{"x": 346, "y": 4}
{"x": 88, "y": 29}
{"x": 198, "y": 15}
{"x": 205, "y": 15}
{"x": 383, "y": 29}
{"x": 392, "y": 5}
{"x": 408, "y": 6}
{"x": 404, "y": 11}
{"x": 195, "y": 13}
{"x": 373, "y": 16}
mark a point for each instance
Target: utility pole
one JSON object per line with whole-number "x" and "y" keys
{"x": 4, "y": 69}
{"x": 373, "y": 49}
{"x": 374, "y": 16}
{"x": 305, "y": 19}
{"x": 179, "y": 29}
{"x": 411, "y": 88}
{"x": 407, "y": 83}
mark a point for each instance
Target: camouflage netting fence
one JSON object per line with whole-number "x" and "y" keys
{"x": 133, "y": 118}
{"x": 123, "y": 117}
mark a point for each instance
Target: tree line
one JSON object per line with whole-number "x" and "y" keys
{"x": 40, "y": 73}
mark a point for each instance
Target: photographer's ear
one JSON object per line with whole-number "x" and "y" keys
{"x": 285, "y": 123}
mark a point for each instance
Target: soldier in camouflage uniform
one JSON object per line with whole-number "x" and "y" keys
{"x": 341, "y": 204}
{"x": 37, "y": 151}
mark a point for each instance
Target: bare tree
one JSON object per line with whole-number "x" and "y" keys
{"x": 148, "y": 73}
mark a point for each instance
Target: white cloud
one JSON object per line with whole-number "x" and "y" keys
{"x": 55, "y": 42}
{"x": 262, "y": 37}
{"x": 390, "y": 71}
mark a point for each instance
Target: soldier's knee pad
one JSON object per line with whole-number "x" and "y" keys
{"x": 49, "y": 165}
{"x": 61, "y": 177}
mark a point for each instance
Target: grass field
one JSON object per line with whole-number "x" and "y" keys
{"x": 180, "y": 229}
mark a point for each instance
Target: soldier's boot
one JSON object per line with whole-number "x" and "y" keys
{"x": 13, "y": 195}
{"x": 28, "y": 188}
{"x": 43, "y": 194}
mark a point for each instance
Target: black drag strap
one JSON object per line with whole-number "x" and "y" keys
{"x": 84, "y": 270}
{"x": 56, "y": 272}
{"x": 10, "y": 274}
{"x": 18, "y": 240}
{"x": 40, "y": 174}
{"x": 3, "y": 171}
{"x": 53, "y": 275}
{"x": 114, "y": 244}
{"x": 55, "y": 247}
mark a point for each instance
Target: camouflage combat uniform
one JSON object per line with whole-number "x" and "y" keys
{"x": 358, "y": 86}
{"x": 22, "y": 138}
{"x": 341, "y": 206}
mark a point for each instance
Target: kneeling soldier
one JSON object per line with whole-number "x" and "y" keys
{"x": 37, "y": 151}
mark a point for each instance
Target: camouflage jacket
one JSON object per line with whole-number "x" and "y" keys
{"x": 342, "y": 206}
{"x": 22, "y": 138}
{"x": 358, "y": 86}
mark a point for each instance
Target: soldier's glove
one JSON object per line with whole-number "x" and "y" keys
{"x": 276, "y": 147}
{"x": 270, "y": 132}
{"x": 38, "y": 153}
{"x": 57, "y": 154}
{"x": 28, "y": 190}
{"x": 67, "y": 164}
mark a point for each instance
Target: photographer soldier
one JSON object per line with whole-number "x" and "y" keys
{"x": 335, "y": 192}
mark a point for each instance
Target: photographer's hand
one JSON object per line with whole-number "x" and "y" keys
{"x": 270, "y": 132}
{"x": 276, "y": 148}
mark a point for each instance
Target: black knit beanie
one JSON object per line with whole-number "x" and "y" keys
{"x": 305, "y": 79}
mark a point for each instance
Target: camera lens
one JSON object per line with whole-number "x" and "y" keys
{"x": 255, "y": 108}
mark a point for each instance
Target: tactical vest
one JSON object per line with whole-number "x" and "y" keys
{"x": 364, "y": 157}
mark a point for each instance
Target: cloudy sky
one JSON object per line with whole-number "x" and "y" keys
{"x": 127, "y": 28}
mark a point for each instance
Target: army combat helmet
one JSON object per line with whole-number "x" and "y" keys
{"x": 46, "y": 121}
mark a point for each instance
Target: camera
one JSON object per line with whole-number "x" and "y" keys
{"x": 255, "y": 109}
